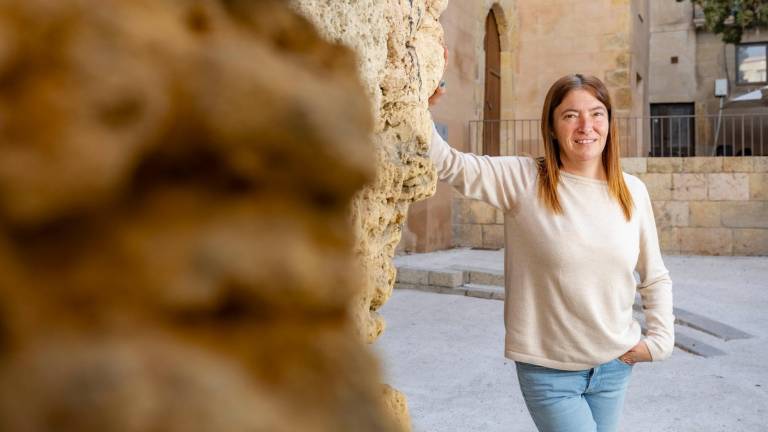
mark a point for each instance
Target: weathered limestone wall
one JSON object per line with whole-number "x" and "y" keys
{"x": 399, "y": 45}
{"x": 175, "y": 247}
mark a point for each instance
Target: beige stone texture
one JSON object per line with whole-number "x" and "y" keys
{"x": 728, "y": 186}
{"x": 634, "y": 165}
{"x": 748, "y": 214}
{"x": 670, "y": 213}
{"x": 669, "y": 240}
{"x": 399, "y": 47}
{"x": 499, "y": 217}
{"x": 704, "y": 214}
{"x": 750, "y": 242}
{"x": 468, "y": 235}
{"x": 665, "y": 164}
{"x": 758, "y": 186}
{"x": 493, "y": 236}
{"x": 738, "y": 164}
{"x": 689, "y": 187}
{"x": 659, "y": 186}
{"x": 706, "y": 241}
{"x": 176, "y": 252}
{"x": 475, "y": 212}
{"x": 760, "y": 163}
{"x": 702, "y": 164}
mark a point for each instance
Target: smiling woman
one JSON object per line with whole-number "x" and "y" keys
{"x": 576, "y": 229}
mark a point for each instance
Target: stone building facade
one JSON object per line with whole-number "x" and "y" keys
{"x": 538, "y": 43}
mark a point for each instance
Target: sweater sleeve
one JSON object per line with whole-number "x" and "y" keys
{"x": 655, "y": 286}
{"x": 497, "y": 180}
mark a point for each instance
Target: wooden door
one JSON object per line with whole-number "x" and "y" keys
{"x": 492, "y": 108}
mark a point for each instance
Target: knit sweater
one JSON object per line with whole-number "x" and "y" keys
{"x": 569, "y": 278}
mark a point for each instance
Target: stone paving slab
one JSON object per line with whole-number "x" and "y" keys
{"x": 479, "y": 274}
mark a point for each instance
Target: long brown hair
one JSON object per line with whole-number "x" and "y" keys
{"x": 549, "y": 165}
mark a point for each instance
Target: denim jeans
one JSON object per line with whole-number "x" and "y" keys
{"x": 575, "y": 401}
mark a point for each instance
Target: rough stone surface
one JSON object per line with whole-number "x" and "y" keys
{"x": 728, "y": 186}
{"x": 750, "y": 242}
{"x": 688, "y": 187}
{"x": 493, "y": 236}
{"x": 758, "y": 186}
{"x": 704, "y": 213}
{"x": 634, "y": 165}
{"x": 665, "y": 165}
{"x": 175, "y": 245}
{"x": 706, "y": 241}
{"x": 659, "y": 185}
{"x": 760, "y": 163}
{"x": 702, "y": 164}
{"x": 738, "y": 164}
{"x": 399, "y": 46}
{"x": 475, "y": 212}
{"x": 468, "y": 235}
{"x": 751, "y": 214}
{"x": 670, "y": 213}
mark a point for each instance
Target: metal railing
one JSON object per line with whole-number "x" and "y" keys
{"x": 655, "y": 136}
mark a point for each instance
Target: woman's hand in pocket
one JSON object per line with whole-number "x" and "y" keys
{"x": 638, "y": 353}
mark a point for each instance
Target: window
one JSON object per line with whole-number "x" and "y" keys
{"x": 751, "y": 63}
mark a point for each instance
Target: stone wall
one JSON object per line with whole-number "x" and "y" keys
{"x": 176, "y": 252}
{"x": 702, "y": 205}
{"x": 708, "y": 205}
{"x": 400, "y": 59}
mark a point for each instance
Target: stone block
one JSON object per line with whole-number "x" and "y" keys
{"x": 634, "y": 165}
{"x": 738, "y": 164}
{"x": 728, "y": 186}
{"x": 622, "y": 98}
{"x": 702, "y": 164}
{"x": 706, "y": 241}
{"x": 446, "y": 278}
{"x": 486, "y": 278}
{"x": 499, "y": 217}
{"x": 760, "y": 163}
{"x": 745, "y": 214}
{"x": 704, "y": 213}
{"x": 670, "y": 213}
{"x": 409, "y": 275}
{"x": 758, "y": 186}
{"x": 468, "y": 235}
{"x": 478, "y": 212}
{"x": 665, "y": 164}
{"x": 669, "y": 240}
{"x": 689, "y": 187}
{"x": 493, "y": 236}
{"x": 750, "y": 242}
{"x": 617, "y": 78}
{"x": 659, "y": 185}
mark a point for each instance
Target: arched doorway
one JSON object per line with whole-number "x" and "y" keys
{"x": 492, "y": 101}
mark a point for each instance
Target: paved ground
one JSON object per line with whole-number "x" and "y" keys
{"x": 445, "y": 353}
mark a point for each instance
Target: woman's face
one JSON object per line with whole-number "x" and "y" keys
{"x": 581, "y": 127}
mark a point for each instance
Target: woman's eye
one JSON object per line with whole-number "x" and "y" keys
{"x": 600, "y": 113}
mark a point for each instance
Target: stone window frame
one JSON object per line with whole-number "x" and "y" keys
{"x": 738, "y": 79}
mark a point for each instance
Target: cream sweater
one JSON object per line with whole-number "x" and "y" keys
{"x": 569, "y": 278}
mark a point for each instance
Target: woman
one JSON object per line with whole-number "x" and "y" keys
{"x": 576, "y": 229}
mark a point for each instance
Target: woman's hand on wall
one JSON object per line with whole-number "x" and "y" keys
{"x": 440, "y": 90}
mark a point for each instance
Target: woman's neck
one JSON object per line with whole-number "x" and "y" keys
{"x": 590, "y": 169}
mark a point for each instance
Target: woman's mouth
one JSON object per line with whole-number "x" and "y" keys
{"x": 585, "y": 141}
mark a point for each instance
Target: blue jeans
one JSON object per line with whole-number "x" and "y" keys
{"x": 575, "y": 401}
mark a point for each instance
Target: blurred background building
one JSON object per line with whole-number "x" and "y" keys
{"x": 682, "y": 97}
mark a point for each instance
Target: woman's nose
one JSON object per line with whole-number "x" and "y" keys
{"x": 585, "y": 124}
